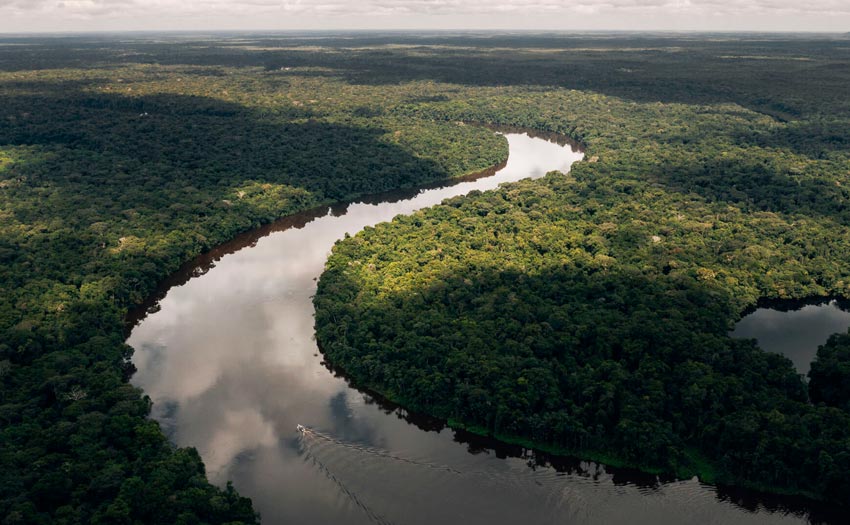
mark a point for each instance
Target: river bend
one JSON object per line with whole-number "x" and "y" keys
{"x": 228, "y": 356}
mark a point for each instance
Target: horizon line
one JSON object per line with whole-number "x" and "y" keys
{"x": 73, "y": 32}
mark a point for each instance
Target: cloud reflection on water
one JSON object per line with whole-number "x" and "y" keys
{"x": 232, "y": 367}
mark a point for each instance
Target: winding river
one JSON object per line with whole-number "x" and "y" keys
{"x": 227, "y": 354}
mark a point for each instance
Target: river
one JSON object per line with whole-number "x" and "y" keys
{"x": 228, "y": 356}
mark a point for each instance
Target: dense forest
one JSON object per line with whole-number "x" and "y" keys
{"x": 113, "y": 175}
{"x": 585, "y": 313}
{"x": 830, "y": 374}
{"x": 588, "y": 313}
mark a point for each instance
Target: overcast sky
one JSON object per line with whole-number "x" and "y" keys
{"x": 113, "y": 15}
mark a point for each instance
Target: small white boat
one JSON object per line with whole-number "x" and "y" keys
{"x": 301, "y": 428}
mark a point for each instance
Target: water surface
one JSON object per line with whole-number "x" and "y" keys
{"x": 228, "y": 357}
{"x": 795, "y": 331}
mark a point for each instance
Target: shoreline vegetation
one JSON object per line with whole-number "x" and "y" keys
{"x": 637, "y": 266}
{"x": 368, "y": 247}
{"x": 120, "y": 160}
{"x": 205, "y": 260}
{"x": 109, "y": 180}
{"x": 698, "y": 466}
{"x": 202, "y": 262}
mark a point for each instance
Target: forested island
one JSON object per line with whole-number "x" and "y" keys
{"x": 584, "y": 314}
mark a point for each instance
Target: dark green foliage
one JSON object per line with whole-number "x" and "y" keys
{"x": 527, "y": 324}
{"x": 829, "y": 378}
{"x": 589, "y": 313}
{"x": 547, "y": 310}
{"x": 110, "y": 178}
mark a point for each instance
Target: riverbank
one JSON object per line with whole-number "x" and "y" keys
{"x": 585, "y": 310}
{"x": 95, "y": 221}
{"x": 231, "y": 365}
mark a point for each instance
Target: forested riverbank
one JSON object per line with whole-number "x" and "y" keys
{"x": 122, "y": 158}
{"x": 111, "y": 177}
{"x": 589, "y": 313}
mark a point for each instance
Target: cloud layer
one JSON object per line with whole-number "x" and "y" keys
{"x": 338, "y": 14}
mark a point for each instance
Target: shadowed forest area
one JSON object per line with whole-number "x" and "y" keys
{"x": 110, "y": 179}
{"x": 717, "y": 175}
{"x": 589, "y": 313}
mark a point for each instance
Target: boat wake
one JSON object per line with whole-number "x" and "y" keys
{"x": 432, "y": 485}
{"x": 305, "y": 431}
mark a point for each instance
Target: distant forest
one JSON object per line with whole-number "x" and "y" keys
{"x": 584, "y": 313}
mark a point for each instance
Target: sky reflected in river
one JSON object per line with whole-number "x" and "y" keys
{"x": 795, "y": 334}
{"x": 232, "y": 367}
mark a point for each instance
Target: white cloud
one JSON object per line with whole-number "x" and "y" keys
{"x": 426, "y": 7}
{"x": 155, "y": 14}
